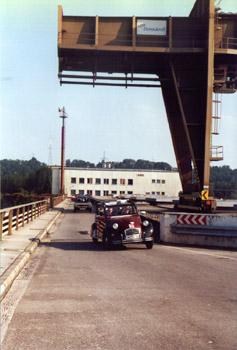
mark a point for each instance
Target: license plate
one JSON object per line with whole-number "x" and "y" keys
{"x": 133, "y": 237}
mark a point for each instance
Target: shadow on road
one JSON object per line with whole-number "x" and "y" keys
{"x": 85, "y": 246}
{"x": 74, "y": 245}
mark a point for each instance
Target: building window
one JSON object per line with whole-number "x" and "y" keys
{"x": 106, "y": 181}
{"x": 158, "y": 181}
{"x": 106, "y": 193}
{"x": 153, "y": 181}
{"x": 81, "y": 192}
{"x": 122, "y": 181}
{"x": 163, "y": 181}
{"x": 122, "y": 192}
{"x": 73, "y": 180}
{"x": 163, "y": 193}
{"x": 130, "y": 182}
{"x": 90, "y": 180}
{"x": 89, "y": 192}
{"x": 130, "y": 192}
{"x": 158, "y": 193}
{"x": 97, "y": 193}
{"x": 114, "y": 192}
{"x": 98, "y": 181}
{"x": 153, "y": 193}
{"x": 147, "y": 192}
{"x": 114, "y": 181}
{"x": 73, "y": 192}
{"x": 81, "y": 180}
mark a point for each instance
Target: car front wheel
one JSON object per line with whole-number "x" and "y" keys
{"x": 94, "y": 235}
{"x": 149, "y": 245}
{"x": 107, "y": 245}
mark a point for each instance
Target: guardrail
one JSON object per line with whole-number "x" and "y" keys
{"x": 56, "y": 200}
{"x": 228, "y": 43}
{"x": 15, "y": 217}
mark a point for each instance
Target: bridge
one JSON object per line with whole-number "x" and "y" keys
{"x": 61, "y": 291}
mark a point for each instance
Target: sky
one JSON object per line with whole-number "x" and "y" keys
{"x": 118, "y": 122}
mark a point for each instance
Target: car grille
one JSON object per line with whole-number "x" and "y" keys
{"x": 132, "y": 231}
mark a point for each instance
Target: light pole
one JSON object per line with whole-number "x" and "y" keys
{"x": 62, "y": 115}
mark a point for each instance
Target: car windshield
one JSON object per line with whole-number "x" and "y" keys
{"x": 120, "y": 210}
{"x": 81, "y": 199}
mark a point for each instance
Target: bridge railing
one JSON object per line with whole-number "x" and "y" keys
{"x": 13, "y": 218}
{"x": 228, "y": 43}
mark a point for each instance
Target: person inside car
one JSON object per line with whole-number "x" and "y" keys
{"x": 126, "y": 210}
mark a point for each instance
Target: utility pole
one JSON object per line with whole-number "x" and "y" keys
{"x": 62, "y": 115}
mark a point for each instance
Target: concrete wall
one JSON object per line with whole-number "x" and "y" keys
{"x": 220, "y": 231}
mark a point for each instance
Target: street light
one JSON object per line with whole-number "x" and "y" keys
{"x": 62, "y": 115}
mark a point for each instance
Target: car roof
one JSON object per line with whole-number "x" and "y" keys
{"x": 120, "y": 202}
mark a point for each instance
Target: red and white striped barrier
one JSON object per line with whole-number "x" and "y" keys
{"x": 192, "y": 219}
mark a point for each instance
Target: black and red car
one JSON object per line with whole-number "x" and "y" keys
{"x": 118, "y": 223}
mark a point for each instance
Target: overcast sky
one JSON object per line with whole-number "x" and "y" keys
{"x": 123, "y": 123}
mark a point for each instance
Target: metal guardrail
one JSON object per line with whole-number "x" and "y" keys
{"x": 228, "y": 43}
{"x": 12, "y": 218}
{"x": 15, "y": 217}
{"x": 216, "y": 153}
{"x": 199, "y": 230}
{"x": 56, "y": 200}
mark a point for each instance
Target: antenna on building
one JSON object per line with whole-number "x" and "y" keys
{"x": 103, "y": 160}
{"x": 50, "y": 155}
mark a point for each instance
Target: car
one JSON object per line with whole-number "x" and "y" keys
{"x": 82, "y": 203}
{"x": 118, "y": 223}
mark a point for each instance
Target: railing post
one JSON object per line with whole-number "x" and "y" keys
{"x": 17, "y": 218}
{"x": 35, "y": 212}
{"x": 10, "y": 222}
{"x": 1, "y": 224}
{"x": 31, "y": 216}
{"x": 28, "y": 215}
{"x": 23, "y": 217}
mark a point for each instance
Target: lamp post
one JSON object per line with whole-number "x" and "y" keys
{"x": 63, "y": 115}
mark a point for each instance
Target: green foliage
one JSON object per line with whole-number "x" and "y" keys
{"x": 79, "y": 164}
{"x": 224, "y": 182}
{"x": 124, "y": 164}
{"x": 25, "y": 176}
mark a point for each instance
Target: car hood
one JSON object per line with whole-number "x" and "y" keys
{"x": 125, "y": 221}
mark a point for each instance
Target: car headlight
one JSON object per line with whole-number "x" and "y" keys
{"x": 145, "y": 223}
{"x": 115, "y": 226}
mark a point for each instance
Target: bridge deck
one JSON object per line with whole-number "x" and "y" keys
{"x": 78, "y": 296}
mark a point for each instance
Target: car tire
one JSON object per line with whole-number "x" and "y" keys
{"x": 94, "y": 235}
{"x": 106, "y": 242}
{"x": 149, "y": 244}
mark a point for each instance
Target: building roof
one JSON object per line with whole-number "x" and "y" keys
{"x": 116, "y": 169}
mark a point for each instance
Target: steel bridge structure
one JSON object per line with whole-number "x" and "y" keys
{"x": 192, "y": 59}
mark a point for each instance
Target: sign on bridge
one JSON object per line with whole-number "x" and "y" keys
{"x": 151, "y": 27}
{"x": 191, "y": 219}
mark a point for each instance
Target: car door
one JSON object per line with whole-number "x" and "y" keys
{"x": 100, "y": 222}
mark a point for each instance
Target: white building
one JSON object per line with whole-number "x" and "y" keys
{"x": 105, "y": 182}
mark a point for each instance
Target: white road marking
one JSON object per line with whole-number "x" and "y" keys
{"x": 192, "y": 251}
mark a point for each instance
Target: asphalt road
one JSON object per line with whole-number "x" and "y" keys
{"x": 81, "y": 297}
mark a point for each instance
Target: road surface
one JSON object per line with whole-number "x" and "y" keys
{"x": 76, "y": 296}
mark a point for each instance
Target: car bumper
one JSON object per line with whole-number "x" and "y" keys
{"x": 120, "y": 239}
{"x": 82, "y": 207}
